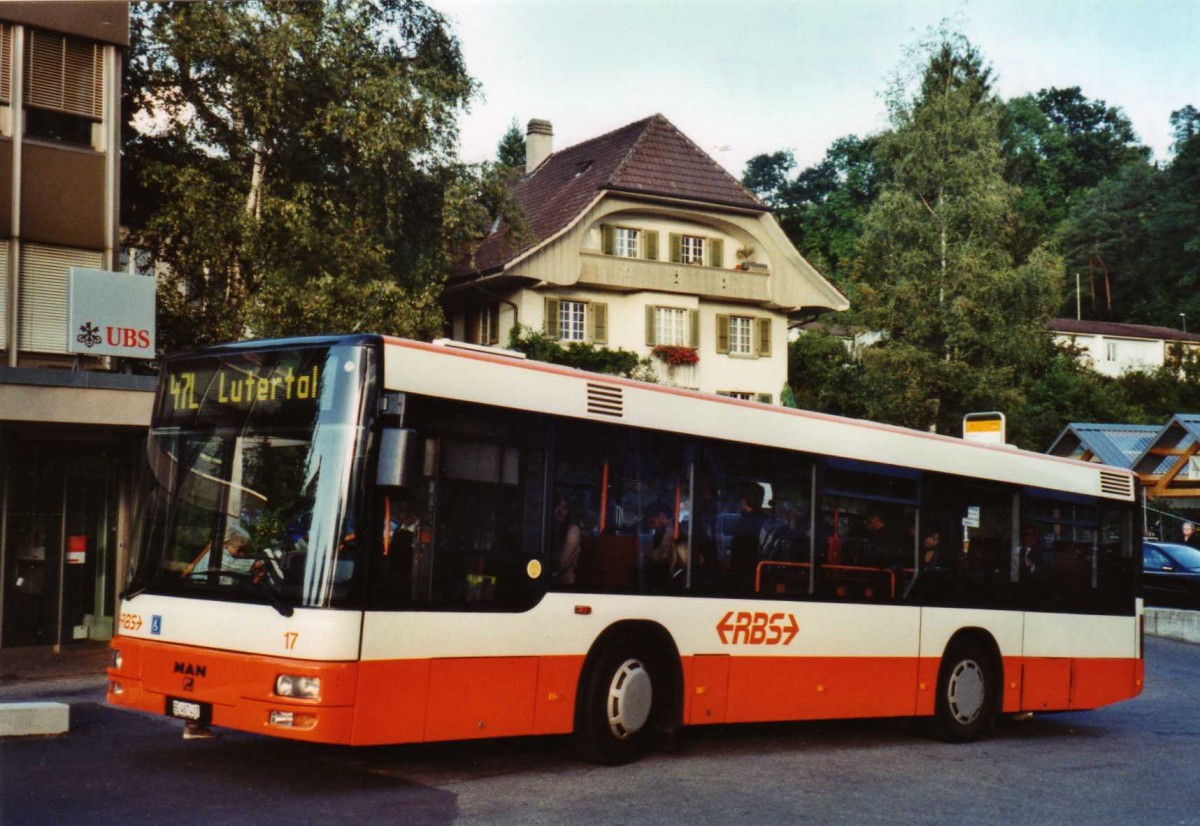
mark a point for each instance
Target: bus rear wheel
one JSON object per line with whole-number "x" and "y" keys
{"x": 966, "y": 694}
{"x": 620, "y": 702}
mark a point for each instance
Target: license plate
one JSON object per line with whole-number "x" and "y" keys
{"x": 189, "y": 710}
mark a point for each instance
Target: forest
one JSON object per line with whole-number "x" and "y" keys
{"x": 959, "y": 231}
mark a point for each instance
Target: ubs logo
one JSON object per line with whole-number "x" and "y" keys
{"x": 89, "y": 335}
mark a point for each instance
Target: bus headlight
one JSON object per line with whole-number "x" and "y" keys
{"x": 295, "y": 685}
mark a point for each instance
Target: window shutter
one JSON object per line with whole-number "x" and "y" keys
{"x": 763, "y": 328}
{"x": 716, "y": 254}
{"x": 722, "y": 334}
{"x": 693, "y": 329}
{"x": 765, "y": 398}
{"x": 3, "y": 294}
{"x": 650, "y": 244}
{"x": 608, "y": 242}
{"x": 493, "y": 312}
{"x": 598, "y": 322}
{"x": 551, "y": 323}
{"x": 475, "y": 327}
{"x": 6, "y": 35}
{"x": 65, "y": 74}
{"x": 676, "y": 247}
{"x": 43, "y": 296}
{"x": 650, "y": 342}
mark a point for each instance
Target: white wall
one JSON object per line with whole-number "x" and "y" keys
{"x": 1131, "y": 354}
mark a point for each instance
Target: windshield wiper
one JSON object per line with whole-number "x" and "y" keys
{"x": 254, "y": 578}
{"x": 133, "y": 592}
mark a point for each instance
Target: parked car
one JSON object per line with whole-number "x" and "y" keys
{"x": 1171, "y": 574}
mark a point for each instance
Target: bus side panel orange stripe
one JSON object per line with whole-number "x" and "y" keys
{"x": 1011, "y": 696}
{"x": 1045, "y": 684}
{"x": 1099, "y": 682}
{"x": 770, "y": 688}
{"x": 476, "y": 697}
{"x": 927, "y": 677}
{"x": 391, "y": 696}
{"x": 557, "y": 681}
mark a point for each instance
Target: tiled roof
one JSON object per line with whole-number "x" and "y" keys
{"x": 649, "y": 157}
{"x": 1113, "y": 444}
{"x": 1112, "y": 328}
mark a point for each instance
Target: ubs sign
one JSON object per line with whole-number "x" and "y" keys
{"x": 110, "y": 314}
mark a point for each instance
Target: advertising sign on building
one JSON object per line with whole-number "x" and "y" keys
{"x": 110, "y": 314}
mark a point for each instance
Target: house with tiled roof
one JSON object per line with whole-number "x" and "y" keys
{"x": 638, "y": 240}
{"x": 1111, "y": 348}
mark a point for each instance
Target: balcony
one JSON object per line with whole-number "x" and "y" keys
{"x": 634, "y": 274}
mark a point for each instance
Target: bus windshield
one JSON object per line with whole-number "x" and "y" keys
{"x": 256, "y": 465}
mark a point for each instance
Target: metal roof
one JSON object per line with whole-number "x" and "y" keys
{"x": 1119, "y": 445}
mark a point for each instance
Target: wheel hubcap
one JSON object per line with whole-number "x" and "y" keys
{"x": 629, "y": 697}
{"x": 965, "y": 692}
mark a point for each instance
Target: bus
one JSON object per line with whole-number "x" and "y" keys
{"x": 366, "y": 540}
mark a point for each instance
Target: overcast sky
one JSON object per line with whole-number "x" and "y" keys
{"x": 753, "y": 76}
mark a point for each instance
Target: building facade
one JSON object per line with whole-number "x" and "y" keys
{"x": 71, "y": 427}
{"x": 1111, "y": 348}
{"x": 638, "y": 240}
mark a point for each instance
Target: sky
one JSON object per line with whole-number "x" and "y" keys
{"x": 756, "y": 76}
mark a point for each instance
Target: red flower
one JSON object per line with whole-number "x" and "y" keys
{"x": 676, "y": 355}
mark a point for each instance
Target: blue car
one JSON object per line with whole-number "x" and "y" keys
{"x": 1171, "y": 574}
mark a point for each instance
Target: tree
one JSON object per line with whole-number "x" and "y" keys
{"x": 963, "y": 322}
{"x": 1058, "y": 145}
{"x": 295, "y": 169}
{"x": 510, "y": 152}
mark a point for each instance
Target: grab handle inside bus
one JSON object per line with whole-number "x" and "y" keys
{"x": 397, "y": 457}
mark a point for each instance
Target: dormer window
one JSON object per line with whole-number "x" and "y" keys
{"x": 697, "y": 250}
{"x": 625, "y": 242}
{"x": 691, "y": 249}
{"x": 629, "y": 242}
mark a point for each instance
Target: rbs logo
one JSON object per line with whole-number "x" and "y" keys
{"x": 757, "y": 628}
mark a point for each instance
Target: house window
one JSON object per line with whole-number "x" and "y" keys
{"x": 671, "y": 326}
{"x": 744, "y": 336}
{"x": 691, "y": 249}
{"x": 64, "y": 87}
{"x": 484, "y": 325}
{"x": 1110, "y": 351}
{"x": 741, "y": 336}
{"x": 737, "y": 394}
{"x": 625, "y": 242}
{"x": 572, "y": 320}
{"x": 575, "y": 320}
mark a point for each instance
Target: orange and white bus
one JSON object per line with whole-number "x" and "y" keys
{"x": 422, "y": 542}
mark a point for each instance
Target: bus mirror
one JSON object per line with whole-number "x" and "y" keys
{"x": 397, "y": 457}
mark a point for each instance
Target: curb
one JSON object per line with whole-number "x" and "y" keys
{"x": 1173, "y": 624}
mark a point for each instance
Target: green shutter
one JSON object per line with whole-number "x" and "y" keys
{"x": 608, "y": 242}
{"x": 650, "y": 244}
{"x": 598, "y": 323}
{"x": 551, "y": 324}
{"x": 716, "y": 252}
{"x": 694, "y": 329}
{"x": 650, "y": 342}
{"x": 494, "y": 318}
{"x": 676, "y": 247}
{"x": 763, "y": 328}
{"x": 765, "y": 398}
{"x": 722, "y": 334}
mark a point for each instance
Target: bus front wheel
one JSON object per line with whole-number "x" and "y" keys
{"x": 966, "y": 693}
{"x": 619, "y": 702}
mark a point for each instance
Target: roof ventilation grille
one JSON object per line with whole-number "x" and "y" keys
{"x": 605, "y": 401}
{"x": 1116, "y": 484}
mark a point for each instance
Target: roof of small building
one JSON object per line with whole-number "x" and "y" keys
{"x": 647, "y": 157}
{"x": 1113, "y": 329}
{"x": 1112, "y": 444}
{"x": 1180, "y": 433}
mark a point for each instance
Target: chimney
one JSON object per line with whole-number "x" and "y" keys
{"x": 539, "y": 143}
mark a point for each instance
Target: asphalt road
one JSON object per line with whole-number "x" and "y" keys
{"x": 1132, "y": 763}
